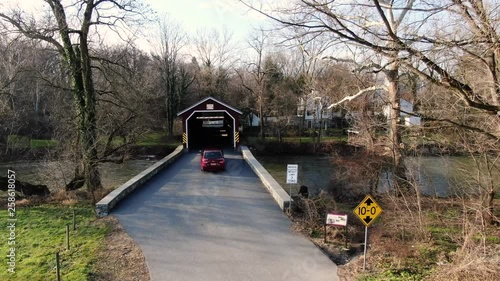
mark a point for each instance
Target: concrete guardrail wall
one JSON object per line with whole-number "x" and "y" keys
{"x": 277, "y": 192}
{"x": 104, "y": 206}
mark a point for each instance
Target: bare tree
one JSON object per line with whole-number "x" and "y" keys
{"x": 11, "y": 64}
{"x": 123, "y": 82}
{"x": 313, "y": 18}
{"x": 310, "y": 49}
{"x": 172, "y": 72}
{"x": 258, "y": 42}
{"x": 23, "y": 96}
{"x": 214, "y": 55}
{"x": 419, "y": 36}
{"x": 73, "y": 44}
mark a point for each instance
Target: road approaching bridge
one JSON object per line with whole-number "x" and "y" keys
{"x": 194, "y": 225}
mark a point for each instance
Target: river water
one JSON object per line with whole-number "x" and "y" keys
{"x": 55, "y": 174}
{"x": 314, "y": 170}
{"x": 436, "y": 176}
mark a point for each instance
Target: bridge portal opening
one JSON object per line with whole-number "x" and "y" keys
{"x": 210, "y": 129}
{"x": 210, "y": 123}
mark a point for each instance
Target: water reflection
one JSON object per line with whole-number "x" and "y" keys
{"x": 436, "y": 176}
{"x": 315, "y": 171}
{"x": 55, "y": 174}
{"x": 449, "y": 175}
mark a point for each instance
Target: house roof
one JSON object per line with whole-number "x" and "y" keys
{"x": 205, "y": 100}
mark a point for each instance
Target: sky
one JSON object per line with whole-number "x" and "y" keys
{"x": 195, "y": 15}
{"x": 211, "y": 14}
{"x": 192, "y": 15}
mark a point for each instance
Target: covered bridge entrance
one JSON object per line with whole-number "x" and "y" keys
{"x": 210, "y": 123}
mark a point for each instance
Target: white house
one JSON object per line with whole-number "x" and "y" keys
{"x": 252, "y": 120}
{"x": 405, "y": 114}
{"x": 313, "y": 108}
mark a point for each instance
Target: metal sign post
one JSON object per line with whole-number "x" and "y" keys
{"x": 364, "y": 251}
{"x": 292, "y": 171}
{"x": 367, "y": 211}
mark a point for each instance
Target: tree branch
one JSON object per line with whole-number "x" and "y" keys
{"x": 29, "y": 32}
{"x": 350, "y": 98}
{"x": 454, "y": 123}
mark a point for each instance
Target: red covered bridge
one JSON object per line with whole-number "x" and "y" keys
{"x": 210, "y": 123}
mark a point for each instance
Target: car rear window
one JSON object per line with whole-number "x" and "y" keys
{"x": 213, "y": 154}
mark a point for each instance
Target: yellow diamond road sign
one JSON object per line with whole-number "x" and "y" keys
{"x": 368, "y": 210}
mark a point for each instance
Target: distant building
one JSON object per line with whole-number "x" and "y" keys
{"x": 406, "y": 113}
{"x": 313, "y": 109}
{"x": 251, "y": 120}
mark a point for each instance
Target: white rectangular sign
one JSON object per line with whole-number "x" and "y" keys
{"x": 336, "y": 219}
{"x": 213, "y": 123}
{"x": 292, "y": 171}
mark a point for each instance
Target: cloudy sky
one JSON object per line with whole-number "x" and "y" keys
{"x": 198, "y": 14}
{"x": 192, "y": 15}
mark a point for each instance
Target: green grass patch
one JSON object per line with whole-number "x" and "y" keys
{"x": 154, "y": 138}
{"x": 402, "y": 274}
{"x": 340, "y": 138}
{"x": 493, "y": 239}
{"x": 411, "y": 269}
{"x": 16, "y": 141}
{"x": 157, "y": 139}
{"x": 40, "y": 233}
{"x": 43, "y": 143}
{"x": 315, "y": 233}
{"x": 19, "y": 142}
{"x": 489, "y": 238}
{"x": 445, "y": 228}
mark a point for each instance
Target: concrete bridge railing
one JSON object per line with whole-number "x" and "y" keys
{"x": 104, "y": 206}
{"x": 277, "y": 192}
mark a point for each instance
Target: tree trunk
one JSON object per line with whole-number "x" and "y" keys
{"x": 83, "y": 91}
{"x": 174, "y": 90}
{"x": 491, "y": 61}
{"x": 92, "y": 175}
{"x": 394, "y": 122}
{"x": 488, "y": 195}
{"x": 87, "y": 142}
{"x": 489, "y": 206}
{"x": 171, "y": 88}
{"x": 261, "y": 115}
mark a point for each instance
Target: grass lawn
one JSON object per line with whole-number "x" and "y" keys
{"x": 339, "y": 138}
{"x": 40, "y": 232}
{"x": 311, "y": 140}
{"x": 157, "y": 138}
{"x": 34, "y": 143}
{"x": 151, "y": 139}
{"x": 16, "y": 141}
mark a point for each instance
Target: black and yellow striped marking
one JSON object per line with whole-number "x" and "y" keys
{"x": 184, "y": 138}
{"x": 237, "y": 137}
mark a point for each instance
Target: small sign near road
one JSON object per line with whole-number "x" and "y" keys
{"x": 368, "y": 210}
{"x": 336, "y": 219}
{"x": 292, "y": 171}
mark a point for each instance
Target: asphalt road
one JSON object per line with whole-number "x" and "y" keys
{"x": 194, "y": 225}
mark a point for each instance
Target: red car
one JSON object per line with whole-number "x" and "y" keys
{"x": 212, "y": 160}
